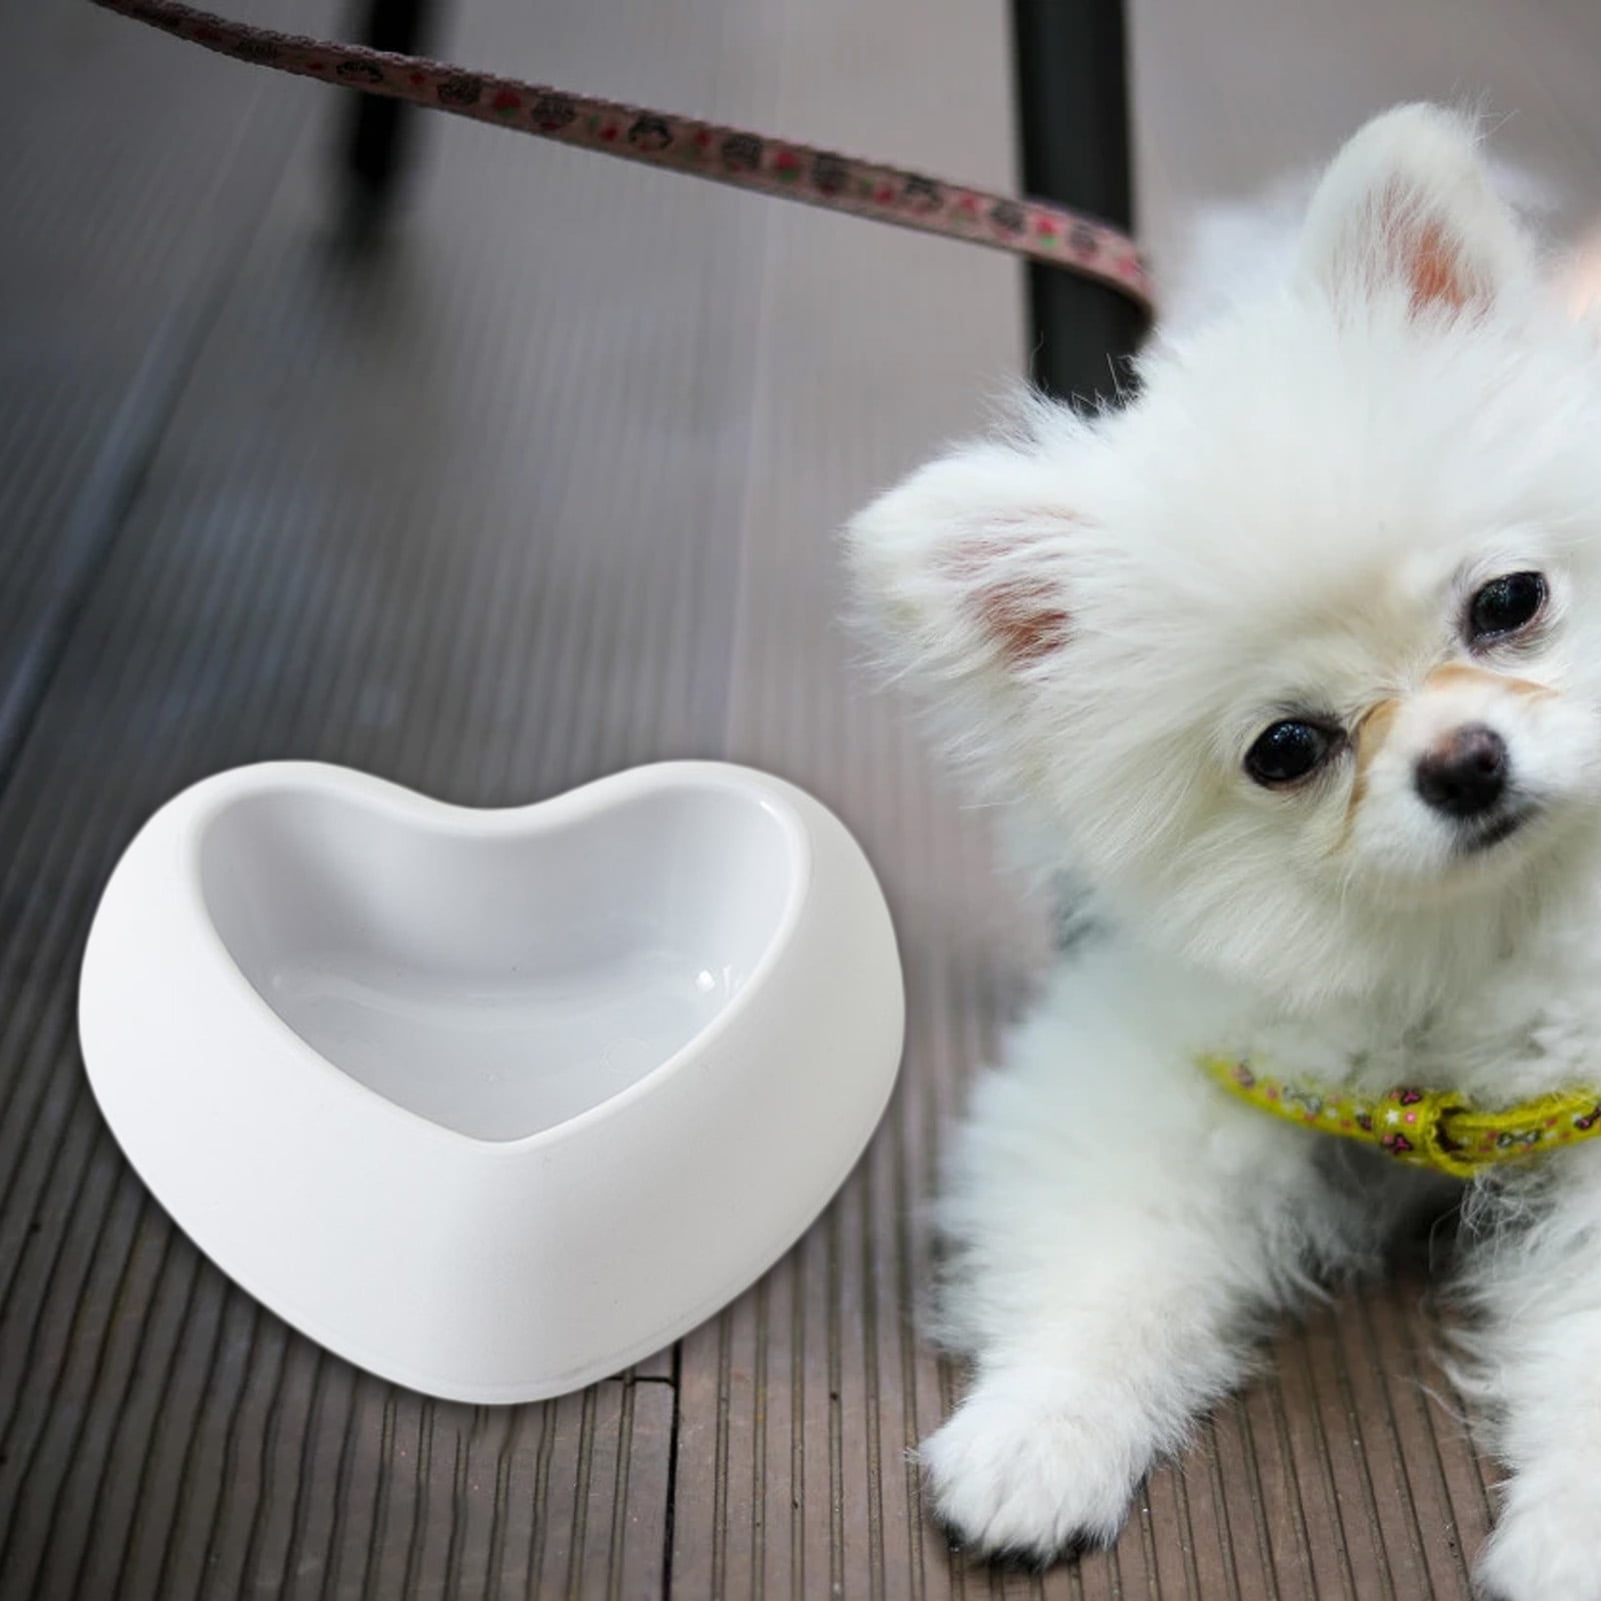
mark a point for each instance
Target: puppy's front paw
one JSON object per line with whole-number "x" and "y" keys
{"x": 1544, "y": 1547}
{"x": 1019, "y": 1471}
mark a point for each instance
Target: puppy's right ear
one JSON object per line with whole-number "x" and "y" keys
{"x": 966, "y": 571}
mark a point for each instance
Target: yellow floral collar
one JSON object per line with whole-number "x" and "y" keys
{"x": 1436, "y": 1129}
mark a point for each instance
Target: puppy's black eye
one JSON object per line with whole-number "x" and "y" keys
{"x": 1288, "y": 751}
{"x": 1505, "y": 605}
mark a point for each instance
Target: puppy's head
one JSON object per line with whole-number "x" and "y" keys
{"x": 1300, "y": 652}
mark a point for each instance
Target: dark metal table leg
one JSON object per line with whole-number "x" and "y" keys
{"x": 1072, "y": 74}
{"x": 377, "y": 131}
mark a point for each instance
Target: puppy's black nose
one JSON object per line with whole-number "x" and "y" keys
{"x": 1466, "y": 774}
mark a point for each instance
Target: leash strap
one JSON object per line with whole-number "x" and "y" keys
{"x": 1435, "y": 1129}
{"x": 1069, "y": 239}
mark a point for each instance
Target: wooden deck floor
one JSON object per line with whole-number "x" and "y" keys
{"x": 547, "y": 490}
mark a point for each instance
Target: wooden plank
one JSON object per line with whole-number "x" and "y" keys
{"x": 799, "y": 1405}
{"x": 467, "y": 515}
{"x": 127, "y": 242}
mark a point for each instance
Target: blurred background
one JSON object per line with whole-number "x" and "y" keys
{"x": 540, "y": 482}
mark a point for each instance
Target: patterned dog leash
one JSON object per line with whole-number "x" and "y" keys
{"x": 1033, "y": 228}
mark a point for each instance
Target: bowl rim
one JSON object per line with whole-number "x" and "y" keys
{"x": 214, "y": 797}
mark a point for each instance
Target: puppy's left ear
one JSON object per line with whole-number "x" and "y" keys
{"x": 1407, "y": 206}
{"x": 966, "y": 570}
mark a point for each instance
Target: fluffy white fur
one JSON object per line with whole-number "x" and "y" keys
{"x": 1290, "y": 519}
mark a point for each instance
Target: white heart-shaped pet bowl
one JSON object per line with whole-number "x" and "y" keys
{"x": 493, "y": 1103}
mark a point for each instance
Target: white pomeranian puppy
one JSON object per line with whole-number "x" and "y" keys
{"x": 1296, "y": 660}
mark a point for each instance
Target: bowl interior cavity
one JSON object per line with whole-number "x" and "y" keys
{"x": 497, "y": 982}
